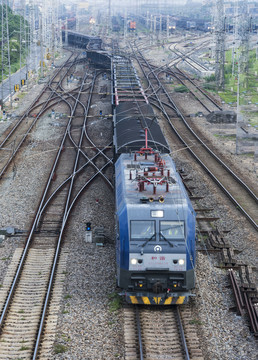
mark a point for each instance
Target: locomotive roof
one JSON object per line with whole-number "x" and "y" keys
{"x": 129, "y": 189}
{"x": 130, "y": 120}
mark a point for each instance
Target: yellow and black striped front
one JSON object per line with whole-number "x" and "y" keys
{"x": 156, "y": 300}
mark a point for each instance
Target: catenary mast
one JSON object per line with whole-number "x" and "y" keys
{"x": 219, "y": 44}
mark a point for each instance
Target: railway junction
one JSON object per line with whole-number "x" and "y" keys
{"x": 58, "y": 293}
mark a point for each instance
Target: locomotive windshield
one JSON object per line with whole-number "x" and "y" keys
{"x": 142, "y": 230}
{"x": 172, "y": 229}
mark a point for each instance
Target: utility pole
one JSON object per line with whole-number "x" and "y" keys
{"x": 167, "y": 26}
{"x": 160, "y": 25}
{"x": 109, "y": 15}
{"x": 66, "y": 32}
{"x": 5, "y": 47}
{"x": 235, "y": 24}
{"x": 125, "y": 23}
{"x": 41, "y": 48}
{"x": 77, "y": 18}
{"x": 53, "y": 43}
{"x": 60, "y": 34}
{"x": 20, "y": 37}
{"x": 245, "y": 29}
{"x": 220, "y": 44}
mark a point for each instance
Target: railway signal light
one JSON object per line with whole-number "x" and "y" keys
{"x": 88, "y": 226}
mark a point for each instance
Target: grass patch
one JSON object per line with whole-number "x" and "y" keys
{"x": 181, "y": 89}
{"x": 65, "y": 312}
{"x": 67, "y": 297}
{"x": 195, "y": 322}
{"x": 21, "y": 311}
{"x": 247, "y": 155}
{"x": 254, "y": 121}
{"x": 24, "y": 347}
{"x": 21, "y": 95}
{"x": 115, "y": 302}
{"x": 226, "y": 137}
{"x": 228, "y": 97}
{"x": 59, "y": 348}
{"x": 65, "y": 337}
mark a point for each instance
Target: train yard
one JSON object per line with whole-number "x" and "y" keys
{"x": 71, "y": 184}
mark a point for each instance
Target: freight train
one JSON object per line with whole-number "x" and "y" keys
{"x": 155, "y": 220}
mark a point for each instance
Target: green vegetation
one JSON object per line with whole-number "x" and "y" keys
{"x": 248, "y": 82}
{"x": 195, "y": 322}
{"x": 247, "y": 155}
{"x": 59, "y": 348}
{"x": 24, "y": 348}
{"x": 254, "y": 119}
{"x": 5, "y": 258}
{"x": 181, "y": 89}
{"x": 115, "y": 302}
{"x": 68, "y": 296}
{"x": 226, "y": 137}
{"x": 17, "y": 28}
{"x": 66, "y": 337}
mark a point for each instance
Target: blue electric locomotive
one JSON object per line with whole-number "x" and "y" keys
{"x": 155, "y": 221}
{"x": 155, "y": 231}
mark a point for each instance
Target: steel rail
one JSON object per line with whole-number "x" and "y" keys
{"x": 187, "y": 79}
{"x": 30, "y": 236}
{"x": 32, "y": 105}
{"x": 68, "y": 208}
{"x": 182, "y": 55}
{"x": 44, "y": 108}
{"x": 182, "y": 334}
{"x": 215, "y": 179}
{"x": 89, "y": 161}
{"x": 54, "y": 266}
{"x": 138, "y": 324}
{"x": 249, "y": 191}
{"x": 197, "y": 86}
{"x": 110, "y": 161}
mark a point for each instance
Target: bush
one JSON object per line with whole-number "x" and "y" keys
{"x": 59, "y": 348}
{"x": 181, "y": 89}
{"x": 115, "y": 302}
{"x": 210, "y": 78}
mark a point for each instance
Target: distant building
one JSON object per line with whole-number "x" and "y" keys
{"x": 231, "y": 8}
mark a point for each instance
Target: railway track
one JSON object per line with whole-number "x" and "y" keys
{"x": 208, "y": 103}
{"x": 14, "y": 138}
{"x": 27, "y": 294}
{"x": 180, "y": 56}
{"x": 160, "y": 333}
{"x": 231, "y": 184}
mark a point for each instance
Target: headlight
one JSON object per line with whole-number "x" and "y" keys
{"x": 181, "y": 261}
{"x": 134, "y": 261}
